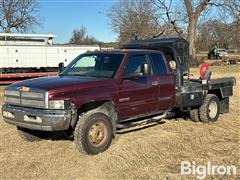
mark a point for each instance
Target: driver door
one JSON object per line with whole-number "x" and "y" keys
{"x": 137, "y": 94}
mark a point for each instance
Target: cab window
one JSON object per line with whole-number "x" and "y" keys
{"x": 158, "y": 64}
{"x": 134, "y": 64}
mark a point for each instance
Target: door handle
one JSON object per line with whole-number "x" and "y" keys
{"x": 155, "y": 83}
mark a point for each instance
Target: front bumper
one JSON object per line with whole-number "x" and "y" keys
{"x": 37, "y": 119}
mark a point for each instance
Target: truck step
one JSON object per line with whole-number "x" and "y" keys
{"x": 141, "y": 122}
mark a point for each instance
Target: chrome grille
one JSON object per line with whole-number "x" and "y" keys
{"x": 12, "y": 99}
{"x": 33, "y": 98}
{"x": 12, "y": 92}
{"x": 33, "y": 95}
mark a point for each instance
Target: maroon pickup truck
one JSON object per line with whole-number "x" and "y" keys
{"x": 102, "y": 91}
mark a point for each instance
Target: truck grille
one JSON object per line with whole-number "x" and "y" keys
{"x": 34, "y": 98}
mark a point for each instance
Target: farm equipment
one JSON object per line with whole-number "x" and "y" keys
{"x": 217, "y": 53}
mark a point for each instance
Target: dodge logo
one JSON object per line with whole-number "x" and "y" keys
{"x": 24, "y": 88}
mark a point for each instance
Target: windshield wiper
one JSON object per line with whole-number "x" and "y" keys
{"x": 83, "y": 75}
{"x": 77, "y": 75}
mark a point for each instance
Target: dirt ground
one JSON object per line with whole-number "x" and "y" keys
{"x": 153, "y": 153}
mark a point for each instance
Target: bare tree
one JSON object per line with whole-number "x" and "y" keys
{"x": 169, "y": 17}
{"x": 177, "y": 17}
{"x": 134, "y": 19}
{"x": 80, "y": 36}
{"x": 194, "y": 10}
{"x": 232, "y": 7}
{"x": 215, "y": 32}
{"x": 223, "y": 30}
{"x": 18, "y": 15}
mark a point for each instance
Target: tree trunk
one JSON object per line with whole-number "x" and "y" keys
{"x": 7, "y": 29}
{"x": 192, "y": 37}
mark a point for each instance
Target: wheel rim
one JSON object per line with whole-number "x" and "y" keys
{"x": 97, "y": 134}
{"x": 212, "y": 109}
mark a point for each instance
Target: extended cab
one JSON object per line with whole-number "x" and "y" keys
{"x": 102, "y": 91}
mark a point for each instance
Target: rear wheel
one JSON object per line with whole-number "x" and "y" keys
{"x": 31, "y": 135}
{"x": 93, "y": 133}
{"x": 194, "y": 115}
{"x": 210, "y": 109}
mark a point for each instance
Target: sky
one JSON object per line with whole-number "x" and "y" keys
{"x": 61, "y": 17}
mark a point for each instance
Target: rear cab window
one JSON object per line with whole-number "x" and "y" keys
{"x": 158, "y": 63}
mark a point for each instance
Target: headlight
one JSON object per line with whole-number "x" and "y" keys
{"x": 56, "y": 104}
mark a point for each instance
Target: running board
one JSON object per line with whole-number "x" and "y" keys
{"x": 130, "y": 124}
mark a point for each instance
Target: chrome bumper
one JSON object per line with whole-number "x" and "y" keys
{"x": 37, "y": 119}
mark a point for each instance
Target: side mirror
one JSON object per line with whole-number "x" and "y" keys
{"x": 146, "y": 69}
{"x": 60, "y": 66}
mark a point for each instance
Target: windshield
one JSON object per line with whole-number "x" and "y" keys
{"x": 94, "y": 65}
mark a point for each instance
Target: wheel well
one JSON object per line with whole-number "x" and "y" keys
{"x": 224, "y": 102}
{"x": 107, "y": 107}
{"x": 216, "y": 92}
{"x": 90, "y": 105}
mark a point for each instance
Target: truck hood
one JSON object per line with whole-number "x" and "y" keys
{"x": 61, "y": 83}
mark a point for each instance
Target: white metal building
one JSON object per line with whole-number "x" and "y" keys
{"x": 15, "y": 53}
{"x": 26, "y": 39}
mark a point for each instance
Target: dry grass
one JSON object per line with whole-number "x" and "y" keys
{"x": 154, "y": 152}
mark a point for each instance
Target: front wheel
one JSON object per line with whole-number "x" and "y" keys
{"x": 93, "y": 133}
{"x": 210, "y": 109}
